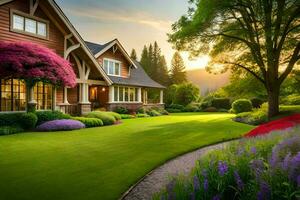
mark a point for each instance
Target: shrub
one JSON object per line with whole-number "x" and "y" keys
{"x": 141, "y": 115}
{"x": 186, "y": 93}
{"x": 28, "y": 121}
{"x": 292, "y": 100}
{"x": 191, "y": 108}
{"x": 44, "y": 116}
{"x": 141, "y": 110}
{"x": 210, "y": 109}
{"x": 107, "y": 119}
{"x": 60, "y": 125}
{"x": 223, "y": 110}
{"x": 163, "y": 112}
{"x": 173, "y": 110}
{"x": 241, "y": 105}
{"x": 253, "y": 118}
{"x": 117, "y": 116}
{"x": 8, "y": 130}
{"x": 153, "y": 113}
{"x": 121, "y": 110}
{"x": 176, "y": 106}
{"x": 221, "y": 103}
{"x": 127, "y": 116}
{"x": 256, "y": 102}
{"x": 10, "y": 119}
{"x": 89, "y": 122}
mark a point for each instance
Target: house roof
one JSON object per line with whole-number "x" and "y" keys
{"x": 138, "y": 77}
{"x": 96, "y": 48}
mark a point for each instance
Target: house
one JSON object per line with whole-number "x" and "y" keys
{"x": 106, "y": 75}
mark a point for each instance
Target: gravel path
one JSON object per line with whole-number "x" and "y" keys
{"x": 159, "y": 177}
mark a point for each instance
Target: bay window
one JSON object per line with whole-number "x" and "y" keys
{"x": 112, "y": 67}
{"x": 125, "y": 94}
{"x": 43, "y": 96}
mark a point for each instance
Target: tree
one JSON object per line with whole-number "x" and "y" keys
{"x": 145, "y": 59}
{"x": 133, "y": 54}
{"x": 186, "y": 93}
{"x": 258, "y": 36}
{"x": 34, "y": 63}
{"x": 178, "y": 74}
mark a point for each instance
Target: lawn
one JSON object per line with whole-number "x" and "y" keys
{"x": 102, "y": 163}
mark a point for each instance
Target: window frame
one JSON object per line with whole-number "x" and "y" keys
{"x": 109, "y": 60}
{"x": 134, "y": 91}
{"x": 30, "y": 17}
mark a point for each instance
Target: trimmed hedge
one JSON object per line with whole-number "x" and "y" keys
{"x": 221, "y": 103}
{"x": 107, "y": 118}
{"x": 8, "y": 130}
{"x": 127, "y": 116}
{"x": 191, "y": 108}
{"x": 141, "y": 115}
{"x": 44, "y": 116}
{"x": 241, "y": 105}
{"x": 10, "y": 119}
{"x": 89, "y": 122}
{"x": 117, "y": 116}
{"x": 153, "y": 113}
{"x": 28, "y": 121}
{"x": 121, "y": 110}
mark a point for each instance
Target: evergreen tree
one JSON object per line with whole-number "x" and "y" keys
{"x": 178, "y": 74}
{"x": 145, "y": 59}
{"x": 133, "y": 54}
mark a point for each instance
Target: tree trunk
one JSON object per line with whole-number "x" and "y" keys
{"x": 273, "y": 100}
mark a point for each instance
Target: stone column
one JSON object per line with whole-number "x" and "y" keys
{"x": 66, "y": 96}
{"x": 84, "y": 104}
{"x": 139, "y": 94}
{"x": 161, "y": 97}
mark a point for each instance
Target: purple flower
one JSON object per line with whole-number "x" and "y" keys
{"x": 223, "y": 168}
{"x": 217, "y": 197}
{"x": 294, "y": 168}
{"x": 286, "y": 161}
{"x": 257, "y": 167}
{"x": 264, "y": 192}
{"x": 253, "y": 150}
{"x": 60, "y": 125}
{"x": 170, "y": 190}
{"x": 204, "y": 173}
{"x": 238, "y": 180}
{"x": 205, "y": 184}
{"x": 196, "y": 183}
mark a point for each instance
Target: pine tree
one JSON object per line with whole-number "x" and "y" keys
{"x": 133, "y": 54}
{"x": 178, "y": 74}
{"x": 145, "y": 59}
{"x": 163, "y": 72}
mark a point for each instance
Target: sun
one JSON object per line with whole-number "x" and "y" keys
{"x": 197, "y": 63}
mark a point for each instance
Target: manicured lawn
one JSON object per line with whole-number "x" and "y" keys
{"x": 102, "y": 163}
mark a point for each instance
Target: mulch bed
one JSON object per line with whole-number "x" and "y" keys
{"x": 276, "y": 125}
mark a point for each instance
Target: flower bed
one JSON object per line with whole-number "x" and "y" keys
{"x": 60, "y": 125}
{"x": 263, "y": 168}
{"x": 280, "y": 124}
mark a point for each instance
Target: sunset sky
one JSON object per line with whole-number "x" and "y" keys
{"x": 134, "y": 22}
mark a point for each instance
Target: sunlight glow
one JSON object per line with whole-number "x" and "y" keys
{"x": 197, "y": 63}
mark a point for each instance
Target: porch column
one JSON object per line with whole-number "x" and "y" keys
{"x": 161, "y": 97}
{"x": 84, "y": 93}
{"x": 146, "y": 97}
{"x": 111, "y": 94}
{"x": 139, "y": 94}
{"x": 66, "y": 96}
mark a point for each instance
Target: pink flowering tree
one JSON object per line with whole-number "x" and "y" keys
{"x": 34, "y": 63}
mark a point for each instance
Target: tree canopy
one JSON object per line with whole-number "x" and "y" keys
{"x": 261, "y": 37}
{"x": 28, "y": 61}
{"x": 133, "y": 54}
{"x": 178, "y": 74}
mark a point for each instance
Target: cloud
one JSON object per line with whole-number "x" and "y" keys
{"x": 117, "y": 15}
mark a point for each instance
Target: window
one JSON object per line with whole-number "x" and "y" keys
{"x": 29, "y": 25}
{"x": 126, "y": 94}
{"x": 43, "y": 96}
{"x": 112, "y": 67}
{"x": 12, "y": 95}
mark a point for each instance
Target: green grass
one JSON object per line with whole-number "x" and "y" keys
{"x": 102, "y": 163}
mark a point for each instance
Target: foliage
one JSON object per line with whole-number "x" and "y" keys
{"x": 178, "y": 74}
{"x": 153, "y": 113}
{"x": 241, "y": 105}
{"x": 256, "y": 117}
{"x": 8, "y": 130}
{"x": 173, "y": 110}
{"x": 24, "y": 60}
{"x": 107, "y": 119}
{"x": 154, "y": 64}
{"x": 60, "y": 125}
{"x": 89, "y": 122}
{"x": 117, "y": 116}
{"x": 260, "y": 168}
{"x": 28, "y": 121}
{"x": 133, "y": 54}
{"x": 10, "y": 119}
{"x": 210, "y": 109}
{"x": 221, "y": 103}
{"x": 127, "y": 116}
{"x": 256, "y": 102}
{"x": 142, "y": 115}
{"x": 44, "y": 116}
{"x": 292, "y": 100}
{"x": 170, "y": 94}
{"x": 245, "y": 37}
{"x": 191, "y": 108}
{"x": 121, "y": 110}
{"x": 176, "y": 106}
{"x": 186, "y": 93}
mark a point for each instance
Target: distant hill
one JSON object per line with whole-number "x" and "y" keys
{"x": 207, "y": 81}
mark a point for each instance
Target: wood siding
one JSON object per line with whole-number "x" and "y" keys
{"x": 56, "y": 38}
{"x": 116, "y": 56}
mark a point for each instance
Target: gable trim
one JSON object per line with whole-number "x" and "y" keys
{"x": 116, "y": 42}
{"x": 5, "y": 1}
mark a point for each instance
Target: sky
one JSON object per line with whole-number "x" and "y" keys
{"x": 134, "y": 22}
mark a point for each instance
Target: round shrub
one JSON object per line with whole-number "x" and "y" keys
{"x": 241, "y": 105}
{"x": 28, "y": 121}
{"x": 141, "y": 115}
{"x": 163, "y": 112}
{"x": 141, "y": 110}
{"x": 45, "y": 116}
{"x": 256, "y": 102}
{"x": 221, "y": 103}
{"x": 190, "y": 108}
{"x": 172, "y": 110}
{"x": 153, "y": 113}
{"x": 127, "y": 116}
{"x": 105, "y": 117}
{"x": 210, "y": 109}
{"x": 60, "y": 125}
{"x": 117, "y": 116}
{"x": 121, "y": 110}
{"x": 8, "y": 130}
{"x": 89, "y": 122}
